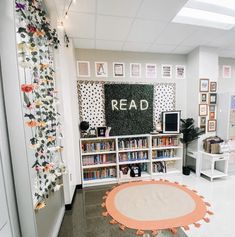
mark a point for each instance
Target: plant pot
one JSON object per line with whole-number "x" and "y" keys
{"x": 186, "y": 170}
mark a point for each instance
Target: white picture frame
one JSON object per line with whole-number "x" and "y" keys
{"x": 83, "y": 69}
{"x": 150, "y": 70}
{"x": 135, "y": 70}
{"x": 227, "y": 71}
{"x": 118, "y": 69}
{"x": 101, "y": 69}
{"x": 166, "y": 71}
{"x": 180, "y": 71}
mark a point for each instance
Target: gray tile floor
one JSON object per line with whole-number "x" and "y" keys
{"x": 85, "y": 219}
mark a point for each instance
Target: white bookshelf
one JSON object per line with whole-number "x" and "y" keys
{"x": 145, "y": 150}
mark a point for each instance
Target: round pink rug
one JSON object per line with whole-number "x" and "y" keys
{"x": 155, "y": 205}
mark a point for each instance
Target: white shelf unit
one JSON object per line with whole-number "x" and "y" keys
{"x": 214, "y": 165}
{"x": 100, "y": 154}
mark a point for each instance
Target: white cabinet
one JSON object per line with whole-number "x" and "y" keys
{"x": 104, "y": 159}
{"x": 214, "y": 165}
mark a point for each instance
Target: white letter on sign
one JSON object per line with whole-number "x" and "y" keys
{"x": 142, "y": 102}
{"x": 123, "y": 102}
{"x": 132, "y": 104}
{"x": 114, "y": 104}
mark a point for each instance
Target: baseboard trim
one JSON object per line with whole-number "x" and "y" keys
{"x": 70, "y": 206}
{"x": 58, "y": 223}
{"x": 79, "y": 186}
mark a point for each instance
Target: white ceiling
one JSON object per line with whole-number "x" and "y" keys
{"x": 138, "y": 25}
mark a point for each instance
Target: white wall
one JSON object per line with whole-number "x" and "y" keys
{"x": 131, "y": 57}
{"x": 226, "y": 84}
{"x": 15, "y": 120}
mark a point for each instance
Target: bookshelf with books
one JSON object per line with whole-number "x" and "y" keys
{"x": 167, "y": 152}
{"x": 106, "y": 160}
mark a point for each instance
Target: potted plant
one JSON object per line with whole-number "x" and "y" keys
{"x": 190, "y": 133}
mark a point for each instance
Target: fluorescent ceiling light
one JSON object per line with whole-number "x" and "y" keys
{"x": 230, "y": 4}
{"x": 204, "y": 18}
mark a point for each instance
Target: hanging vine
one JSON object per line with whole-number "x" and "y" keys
{"x": 36, "y": 41}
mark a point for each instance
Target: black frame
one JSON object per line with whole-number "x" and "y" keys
{"x": 164, "y": 121}
{"x": 101, "y": 131}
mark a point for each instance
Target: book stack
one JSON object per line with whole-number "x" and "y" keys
{"x": 132, "y": 156}
{"x": 169, "y": 153}
{"x": 98, "y": 159}
{"x": 99, "y": 173}
{"x": 98, "y": 146}
{"x": 133, "y": 143}
{"x": 165, "y": 141}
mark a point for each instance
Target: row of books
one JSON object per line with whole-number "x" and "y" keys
{"x": 163, "y": 166}
{"x": 164, "y": 153}
{"x": 98, "y": 146}
{"x": 98, "y": 159}
{"x": 137, "y": 155}
{"x": 165, "y": 141}
{"x": 133, "y": 143}
{"x": 99, "y": 173}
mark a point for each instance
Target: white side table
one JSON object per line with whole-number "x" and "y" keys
{"x": 194, "y": 155}
{"x": 214, "y": 165}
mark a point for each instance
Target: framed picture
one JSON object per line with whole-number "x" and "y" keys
{"x": 203, "y": 128}
{"x": 202, "y": 110}
{"x": 135, "y": 70}
{"x": 151, "y": 70}
{"x": 118, "y": 69}
{"x": 213, "y": 86}
{"x": 211, "y": 125}
{"x": 92, "y": 132}
{"x": 180, "y": 71}
{"x": 204, "y": 85}
{"x": 166, "y": 71}
{"x": 203, "y": 98}
{"x": 211, "y": 115}
{"x": 101, "y": 69}
{"x": 203, "y": 121}
{"x": 101, "y": 131}
{"x": 227, "y": 71}
{"x": 213, "y": 98}
{"x": 212, "y": 108}
{"x": 83, "y": 69}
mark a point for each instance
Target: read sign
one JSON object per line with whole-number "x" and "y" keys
{"x": 129, "y": 108}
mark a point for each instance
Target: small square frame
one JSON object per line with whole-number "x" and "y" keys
{"x": 211, "y": 127}
{"x": 204, "y": 85}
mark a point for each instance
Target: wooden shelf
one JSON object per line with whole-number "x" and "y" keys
{"x": 167, "y": 159}
{"x": 94, "y": 182}
{"x": 166, "y": 147}
{"x": 175, "y": 167}
{"x": 133, "y": 162}
{"x": 132, "y": 150}
{"x": 98, "y": 165}
{"x": 98, "y": 153}
{"x": 216, "y": 173}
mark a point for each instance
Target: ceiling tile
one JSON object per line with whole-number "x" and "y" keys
{"x": 84, "y": 43}
{"x": 183, "y": 49}
{"x": 134, "y": 46}
{"x": 84, "y": 6}
{"x": 145, "y": 31}
{"x": 163, "y": 10}
{"x": 174, "y": 34}
{"x": 224, "y": 40}
{"x": 202, "y": 36}
{"x": 80, "y": 25}
{"x": 161, "y": 48}
{"x": 118, "y": 7}
{"x": 112, "y": 28}
{"x": 109, "y": 45}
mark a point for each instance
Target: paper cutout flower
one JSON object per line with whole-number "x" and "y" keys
{"x": 27, "y": 88}
{"x": 20, "y": 6}
{"x": 31, "y": 123}
{"x": 40, "y": 205}
{"x": 31, "y": 29}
